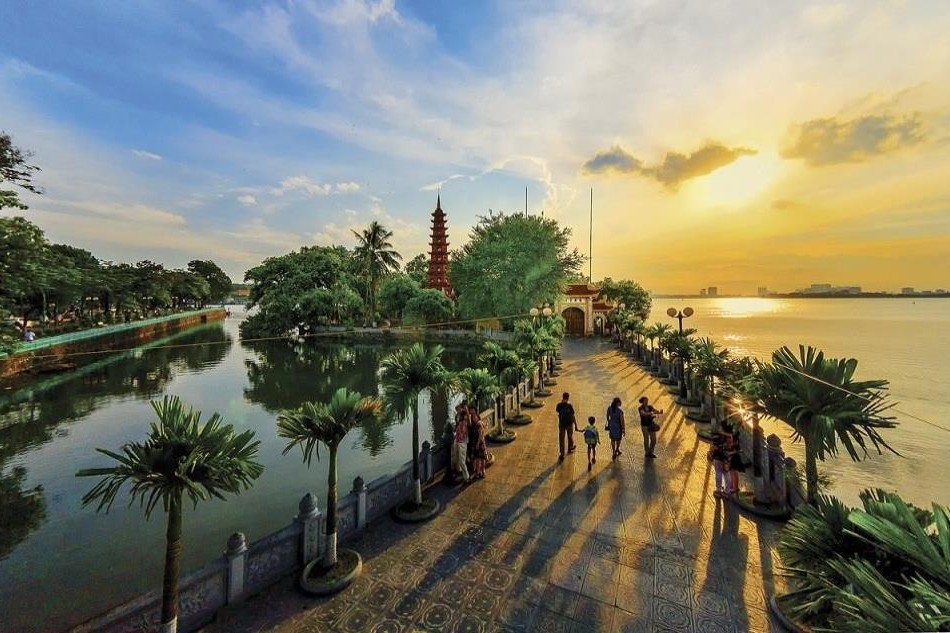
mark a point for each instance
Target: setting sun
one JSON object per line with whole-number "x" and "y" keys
{"x": 740, "y": 181}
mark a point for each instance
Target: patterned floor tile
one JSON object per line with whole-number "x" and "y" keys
{"x": 550, "y": 622}
{"x": 671, "y": 615}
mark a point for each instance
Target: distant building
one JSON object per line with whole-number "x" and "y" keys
{"x": 940, "y": 291}
{"x": 907, "y": 291}
{"x": 763, "y": 291}
{"x": 828, "y": 289}
{"x": 702, "y": 292}
{"x": 712, "y": 291}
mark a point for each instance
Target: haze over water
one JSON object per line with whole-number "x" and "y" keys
{"x": 900, "y": 340}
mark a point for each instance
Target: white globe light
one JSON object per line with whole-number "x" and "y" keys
{"x": 533, "y": 312}
{"x": 671, "y": 312}
{"x": 688, "y": 311}
{"x": 546, "y": 312}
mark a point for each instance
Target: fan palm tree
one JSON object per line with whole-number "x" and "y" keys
{"x": 709, "y": 359}
{"x": 498, "y": 360}
{"x": 657, "y": 332}
{"x": 328, "y": 423}
{"x": 824, "y": 405}
{"x": 180, "y": 457}
{"x": 405, "y": 375}
{"x": 524, "y": 367}
{"x": 378, "y": 259}
{"x": 480, "y": 387}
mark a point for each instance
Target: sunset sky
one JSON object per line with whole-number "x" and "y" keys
{"x": 736, "y": 144}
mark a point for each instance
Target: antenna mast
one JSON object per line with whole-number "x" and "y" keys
{"x": 590, "y": 243}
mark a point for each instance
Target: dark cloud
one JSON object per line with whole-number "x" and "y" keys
{"x": 675, "y": 169}
{"x": 614, "y": 159}
{"x": 832, "y": 141}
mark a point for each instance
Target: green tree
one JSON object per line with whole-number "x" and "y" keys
{"x": 16, "y": 170}
{"x": 511, "y": 263}
{"x": 327, "y": 423}
{"x": 395, "y": 293}
{"x": 377, "y": 258}
{"x": 24, "y": 270}
{"x": 418, "y": 268}
{"x": 823, "y": 403}
{"x": 219, "y": 284}
{"x": 500, "y": 362}
{"x": 629, "y": 293}
{"x": 479, "y": 386}
{"x": 405, "y": 375}
{"x": 179, "y": 457}
{"x": 428, "y": 306}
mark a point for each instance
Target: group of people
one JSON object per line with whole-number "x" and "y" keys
{"x": 616, "y": 427}
{"x": 727, "y": 461}
{"x": 469, "y": 447}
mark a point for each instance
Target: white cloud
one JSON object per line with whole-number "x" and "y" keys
{"x": 144, "y": 155}
{"x": 346, "y": 187}
{"x": 247, "y": 200}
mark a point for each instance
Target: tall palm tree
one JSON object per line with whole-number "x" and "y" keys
{"x": 378, "y": 258}
{"x": 328, "y": 423}
{"x": 710, "y": 363}
{"x": 824, "y": 405}
{"x": 479, "y": 386}
{"x": 405, "y": 375}
{"x": 179, "y": 457}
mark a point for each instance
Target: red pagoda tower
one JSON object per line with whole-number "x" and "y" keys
{"x": 439, "y": 253}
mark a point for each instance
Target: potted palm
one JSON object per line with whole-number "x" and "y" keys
{"x": 481, "y": 388}
{"x": 405, "y": 375}
{"x": 524, "y": 368}
{"x": 179, "y": 458}
{"x": 327, "y": 423}
{"x": 823, "y": 403}
{"x": 503, "y": 363}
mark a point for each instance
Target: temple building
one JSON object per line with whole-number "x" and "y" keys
{"x": 439, "y": 253}
{"x": 583, "y": 309}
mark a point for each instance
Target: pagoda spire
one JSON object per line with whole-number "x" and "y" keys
{"x": 437, "y": 277}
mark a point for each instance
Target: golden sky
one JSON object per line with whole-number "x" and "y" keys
{"x": 735, "y": 143}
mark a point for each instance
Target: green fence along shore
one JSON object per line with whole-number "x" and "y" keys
{"x": 50, "y": 353}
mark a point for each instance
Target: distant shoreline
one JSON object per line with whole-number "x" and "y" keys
{"x": 795, "y": 295}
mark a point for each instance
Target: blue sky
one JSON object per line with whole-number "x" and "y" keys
{"x": 239, "y": 130}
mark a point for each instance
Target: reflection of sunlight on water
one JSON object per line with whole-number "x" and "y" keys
{"x": 741, "y": 307}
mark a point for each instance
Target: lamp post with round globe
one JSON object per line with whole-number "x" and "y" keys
{"x": 679, "y": 315}
{"x": 544, "y": 311}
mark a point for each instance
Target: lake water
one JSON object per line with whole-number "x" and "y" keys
{"x": 60, "y": 563}
{"x": 70, "y": 563}
{"x": 905, "y": 341}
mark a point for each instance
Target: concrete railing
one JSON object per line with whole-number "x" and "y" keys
{"x": 244, "y": 570}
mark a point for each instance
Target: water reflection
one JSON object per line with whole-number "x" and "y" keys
{"x": 285, "y": 374}
{"x": 31, "y": 416}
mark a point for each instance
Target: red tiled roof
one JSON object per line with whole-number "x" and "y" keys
{"x": 582, "y": 290}
{"x": 602, "y": 305}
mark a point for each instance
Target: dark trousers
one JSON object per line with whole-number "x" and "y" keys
{"x": 565, "y": 430}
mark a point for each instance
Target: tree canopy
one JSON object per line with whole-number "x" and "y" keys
{"x": 16, "y": 170}
{"x": 511, "y": 263}
{"x": 630, "y": 293}
{"x": 417, "y": 268}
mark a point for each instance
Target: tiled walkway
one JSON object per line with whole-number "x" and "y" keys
{"x": 633, "y": 545}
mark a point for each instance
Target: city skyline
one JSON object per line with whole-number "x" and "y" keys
{"x": 720, "y": 142}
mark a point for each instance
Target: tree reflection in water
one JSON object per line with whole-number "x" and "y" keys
{"x": 285, "y": 374}
{"x": 32, "y": 414}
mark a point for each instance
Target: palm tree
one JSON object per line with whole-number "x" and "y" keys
{"x": 405, "y": 375}
{"x": 524, "y": 367}
{"x": 378, "y": 258}
{"x": 179, "y": 457}
{"x": 824, "y": 405}
{"x": 657, "y": 332}
{"x": 481, "y": 388}
{"x": 314, "y": 423}
{"x": 499, "y": 361}
{"x": 639, "y": 330}
{"x": 709, "y": 359}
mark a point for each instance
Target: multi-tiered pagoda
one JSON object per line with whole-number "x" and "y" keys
{"x": 439, "y": 253}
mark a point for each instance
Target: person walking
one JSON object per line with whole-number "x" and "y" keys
{"x": 566, "y": 422}
{"x": 592, "y": 439}
{"x": 616, "y": 427}
{"x": 460, "y": 442}
{"x": 648, "y": 425}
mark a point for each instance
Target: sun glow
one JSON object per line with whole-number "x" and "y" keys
{"x": 740, "y": 181}
{"x": 741, "y": 307}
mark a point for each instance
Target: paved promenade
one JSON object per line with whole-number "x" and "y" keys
{"x": 633, "y": 545}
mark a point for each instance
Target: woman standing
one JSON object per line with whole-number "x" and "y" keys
{"x": 480, "y": 448}
{"x": 616, "y": 426}
{"x": 648, "y": 425}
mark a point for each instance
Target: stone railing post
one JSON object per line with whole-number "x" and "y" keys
{"x": 236, "y": 554}
{"x": 425, "y": 461}
{"x": 311, "y": 538}
{"x": 500, "y": 410}
{"x": 515, "y": 401}
{"x": 359, "y": 488}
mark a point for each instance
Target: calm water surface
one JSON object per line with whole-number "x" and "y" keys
{"x": 905, "y": 341}
{"x": 60, "y": 563}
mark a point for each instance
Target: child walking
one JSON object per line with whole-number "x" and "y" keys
{"x": 592, "y": 439}
{"x": 717, "y": 454}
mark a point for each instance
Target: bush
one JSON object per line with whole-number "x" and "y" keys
{"x": 886, "y": 565}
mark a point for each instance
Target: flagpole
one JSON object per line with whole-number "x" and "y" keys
{"x": 590, "y": 244}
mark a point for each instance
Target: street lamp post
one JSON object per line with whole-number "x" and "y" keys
{"x": 679, "y": 315}
{"x": 544, "y": 311}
